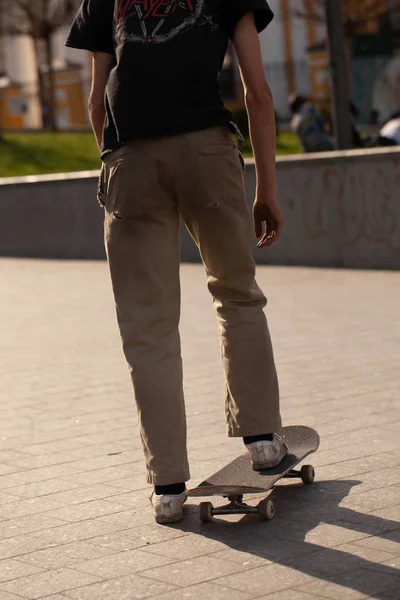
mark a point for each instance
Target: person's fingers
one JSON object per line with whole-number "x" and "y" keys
{"x": 268, "y": 241}
{"x": 269, "y": 238}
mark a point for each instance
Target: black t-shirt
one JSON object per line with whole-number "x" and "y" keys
{"x": 167, "y": 58}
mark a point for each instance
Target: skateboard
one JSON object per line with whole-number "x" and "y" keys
{"x": 238, "y": 478}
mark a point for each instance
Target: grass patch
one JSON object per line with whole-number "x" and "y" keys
{"x": 38, "y": 153}
{"x": 286, "y": 143}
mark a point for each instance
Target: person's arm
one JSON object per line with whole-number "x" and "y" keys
{"x": 97, "y": 111}
{"x": 267, "y": 216}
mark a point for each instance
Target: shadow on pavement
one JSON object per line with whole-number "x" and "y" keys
{"x": 299, "y": 510}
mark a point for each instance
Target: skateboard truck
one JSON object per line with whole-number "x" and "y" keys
{"x": 265, "y": 509}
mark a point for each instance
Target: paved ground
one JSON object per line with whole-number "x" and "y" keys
{"x": 74, "y": 511}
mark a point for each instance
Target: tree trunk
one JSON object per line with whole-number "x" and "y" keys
{"x": 51, "y": 117}
{"x": 339, "y": 75}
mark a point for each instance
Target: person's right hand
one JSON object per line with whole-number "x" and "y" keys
{"x": 268, "y": 222}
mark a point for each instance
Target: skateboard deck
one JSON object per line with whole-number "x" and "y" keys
{"x": 238, "y": 477}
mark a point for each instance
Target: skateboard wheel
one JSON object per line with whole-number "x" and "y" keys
{"x": 206, "y": 512}
{"x": 266, "y": 510}
{"x": 307, "y": 473}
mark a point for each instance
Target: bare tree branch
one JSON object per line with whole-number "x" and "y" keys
{"x": 36, "y": 18}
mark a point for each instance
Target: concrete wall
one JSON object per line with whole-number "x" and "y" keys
{"x": 340, "y": 209}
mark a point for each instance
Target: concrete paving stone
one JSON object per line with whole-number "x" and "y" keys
{"x": 42, "y": 437}
{"x": 394, "y": 426}
{"x": 50, "y": 472}
{"x": 22, "y": 544}
{"x": 8, "y": 469}
{"x": 28, "y": 524}
{"x": 92, "y": 416}
{"x": 374, "y": 499}
{"x": 385, "y": 477}
{"x": 354, "y": 451}
{"x": 354, "y": 585}
{"x": 289, "y": 595}
{"x": 265, "y": 580}
{"x": 387, "y": 595}
{"x": 6, "y": 596}
{"x": 267, "y": 548}
{"x": 133, "y": 499}
{"x": 206, "y": 591}
{"x": 7, "y": 482}
{"x": 367, "y": 524}
{"x": 328, "y": 511}
{"x": 123, "y": 563}
{"x": 74, "y": 532}
{"x": 37, "y": 462}
{"x": 136, "y": 537}
{"x": 126, "y": 519}
{"x": 393, "y": 562}
{"x": 130, "y": 587}
{"x": 64, "y": 428}
{"x": 187, "y": 547}
{"x": 373, "y": 433}
{"x": 41, "y": 488}
{"x": 384, "y": 542}
{"x": 51, "y": 447}
{"x": 387, "y": 516}
{"x": 101, "y": 462}
{"x": 64, "y": 555}
{"x": 104, "y": 449}
{"x": 107, "y": 476}
{"x": 6, "y": 498}
{"x": 337, "y": 560}
{"x": 135, "y": 482}
{"x": 85, "y": 493}
{"x": 326, "y": 535}
{"x": 346, "y": 426}
{"x": 196, "y": 570}
{"x": 54, "y": 597}
{"x": 29, "y": 506}
{"x": 124, "y": 433}
{"x": 12, "y": 569}
{"x": 87, "y": 510}
{"x": 47, "y": 583}
{"x": 11, "y": 456}
{"x": 246, "y": 559}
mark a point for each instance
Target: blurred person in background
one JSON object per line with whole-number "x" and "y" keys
{"x": 309, "y": 125}
{"x": 169, "y": 150}
{"x": 389, "y": 135}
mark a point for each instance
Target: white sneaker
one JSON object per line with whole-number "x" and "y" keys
{"x": 168, "y": 508}
{"x": 265, "y": 454}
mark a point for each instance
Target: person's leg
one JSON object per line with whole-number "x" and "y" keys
{"x": 142, "y": 243}
{"x": 213, "y": 204}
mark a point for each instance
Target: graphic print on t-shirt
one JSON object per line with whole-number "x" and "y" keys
{"x": 157, "y": 21}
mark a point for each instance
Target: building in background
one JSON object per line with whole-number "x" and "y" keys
{"x": 19, "y": 85}
{"x": 23, "y": 74}
{"x": 295, "y": 53}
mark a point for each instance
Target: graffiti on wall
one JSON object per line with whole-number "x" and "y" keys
{"x": 356, "y": 202}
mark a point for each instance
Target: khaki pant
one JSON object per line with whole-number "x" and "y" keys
{"x": 145, "y": 187}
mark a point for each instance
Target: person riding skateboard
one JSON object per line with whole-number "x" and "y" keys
{"x": 168, "y": 150}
